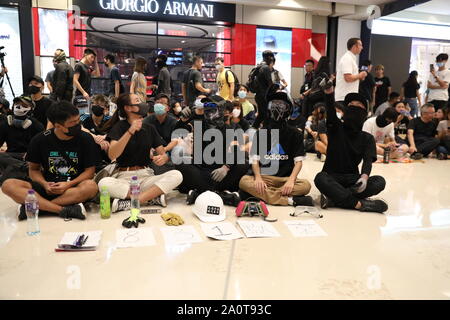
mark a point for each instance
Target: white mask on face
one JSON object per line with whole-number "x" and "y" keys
{"x": 339, "y": 115}
{"x": 20, "y": 111}
{"x": 236, "y": 113}
{"x": 242, "y": 94}
{"x": 218, "y": 67}
{"x": 198, "y": 104}
{"x": 177, "y": 109}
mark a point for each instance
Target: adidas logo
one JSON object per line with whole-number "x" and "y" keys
{"x": 276, "y": 153}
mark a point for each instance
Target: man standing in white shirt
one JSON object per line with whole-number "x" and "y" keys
{"x": 438, "y": 83}
{"x": 347, "y": 73}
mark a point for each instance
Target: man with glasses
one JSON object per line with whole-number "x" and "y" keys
{"x": 422, "y": 133}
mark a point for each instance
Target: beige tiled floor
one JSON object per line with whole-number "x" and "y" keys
{"x": 404, "y": 254}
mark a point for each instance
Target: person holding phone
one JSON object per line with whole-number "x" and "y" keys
{"x": 367, "y": 86}
{"x": 438, "y": 83}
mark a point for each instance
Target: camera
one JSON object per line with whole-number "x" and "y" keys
{"x": 2, "y": 54}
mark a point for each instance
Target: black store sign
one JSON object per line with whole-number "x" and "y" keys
{"x": 164, "y": 10}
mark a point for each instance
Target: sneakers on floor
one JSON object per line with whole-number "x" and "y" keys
{"x": 303, "y": 201}
{"x": 120, "y": 205}
{"x": 76, "y": 211}
{"x": 158, "y": 201}
{"x": 325, "y": 202}
{"x": 323, "y": 157}
{"x": 230, "y": 198}
{"x": 416, "y": 156}
{"x": 369, "y": 205}
{"x": 192, "y": 196}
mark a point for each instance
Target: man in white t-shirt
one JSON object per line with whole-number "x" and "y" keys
{"x": 382, "y": 129}
{"x": 438, "y": 83}
{"x": 347, "y": 73}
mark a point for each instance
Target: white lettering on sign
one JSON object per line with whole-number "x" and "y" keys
{"x": 175, "y": 8}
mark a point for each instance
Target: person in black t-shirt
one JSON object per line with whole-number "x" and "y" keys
{"x": 131, "y": 142}
{"x": 61, "y": 165}
{"x": 192, "y": 85}
{"x": 382, "y": 85}
{"x": 340, "y": 182}
{"x": 264, "y": 82}
{"x": 83, "y": 71}
{"x": 368, "y": 85}
{"x": 115, "y": 81}
{"x": 62, "y": 78}
{"x": 422, "y": 133}
{"x": 410, "y": 92}
{"x": 277, "y": 156}
{"x": 42, "y": 104}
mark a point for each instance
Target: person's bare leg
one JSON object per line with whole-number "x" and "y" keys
{"x": 399, "y": 152}
{"x": 18, "y": 189}
{"x": 84, "y": 191}
{"x": 321, "y": 147}
{"x": 380, "y": 151}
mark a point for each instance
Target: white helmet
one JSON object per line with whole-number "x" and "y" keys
{"x": 209, "y": 207}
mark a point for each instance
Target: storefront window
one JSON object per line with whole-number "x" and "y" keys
{"x": 53, "y": 31}
{"x": 10, "y": 40}
{"x": 128, "y": 39}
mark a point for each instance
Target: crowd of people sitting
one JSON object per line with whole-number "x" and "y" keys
{"x": 67, "y": 149}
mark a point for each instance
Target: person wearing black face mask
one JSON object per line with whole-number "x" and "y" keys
{"x": 340, "y": 182}
{"x": 35, "y": 88}
{"x": 61, "y": 165}
{"x": 382, "y": 129}
{"x": 131, "y": 142}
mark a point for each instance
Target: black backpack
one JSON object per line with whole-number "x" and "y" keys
{"x": 236, "y": 81}
{"x": 252, "y": 83}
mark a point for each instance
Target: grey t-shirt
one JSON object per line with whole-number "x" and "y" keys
{"x": 443, "y": 125}
{"x": 381, "y": 108}
{"x": 164, "y": 81}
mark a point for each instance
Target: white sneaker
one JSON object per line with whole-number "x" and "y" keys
{"x": 323, "y": 157}
{"x": 158, "y": 201}
{"x": 120, "y": 205}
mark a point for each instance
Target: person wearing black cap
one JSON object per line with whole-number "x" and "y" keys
{"x": 4, "y": 108}
{"x": 35, "y": 88}
{"x": 17, "y": 130}
{"x": 340, "y": 182}
{"x": 220, "y": 172}
{"x": 277, "y": 156}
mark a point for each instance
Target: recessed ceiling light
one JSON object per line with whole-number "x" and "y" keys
{"x": 183, "y": 41}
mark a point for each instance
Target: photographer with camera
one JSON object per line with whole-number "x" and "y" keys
{"x": 3, "y": 74}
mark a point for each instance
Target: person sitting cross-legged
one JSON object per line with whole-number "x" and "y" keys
{"x": 340, "y": 182}
{"x": 61, "y": 167}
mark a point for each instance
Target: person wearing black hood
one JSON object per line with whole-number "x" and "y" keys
{"x": 277, "y": 156}
{"x": 223, "y": 171}
{"x": 340, "y": 182}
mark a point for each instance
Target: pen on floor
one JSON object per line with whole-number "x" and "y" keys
{"x": 80, "y": 241}
{"x": 85, "y": 239}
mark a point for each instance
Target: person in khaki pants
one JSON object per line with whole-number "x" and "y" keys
{"x": 277, "y": 155}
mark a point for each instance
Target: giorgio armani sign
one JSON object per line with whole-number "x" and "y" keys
{"x": 174, "y": 10}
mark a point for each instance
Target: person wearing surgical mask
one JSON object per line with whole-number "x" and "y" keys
{"x": 248, "y": 110}
{"x": 132, "y": 141}
{"x": 439, "y": 82}
{"x": 35, "y": 88}
{"x": 341, "y": 183}
{"x": 237, "y": 119}
{"x": 61, "y": 167}
{"x": 175, "y": 110}
{"x": 225, "y": 80}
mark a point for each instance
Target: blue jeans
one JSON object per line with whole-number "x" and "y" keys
{"x": 412, "y": 102}
{"x": 442, "y": 149}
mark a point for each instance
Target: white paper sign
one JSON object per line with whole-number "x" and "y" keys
{"x": 180, "y": 235}
{"x": 305, "y": 228}
{"x": 135, "y": 237}
{"x": 221, "y": 231}
{"x": 258, "y": 229}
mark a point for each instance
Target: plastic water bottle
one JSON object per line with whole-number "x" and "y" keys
{"x": 105, "y": 203}
{"x": 32, "y": 211}
{"x": 387, "y": 155}
{"x": 135, "y": 190}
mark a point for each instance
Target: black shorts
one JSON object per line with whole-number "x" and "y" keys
{"x": 41, "y": 191}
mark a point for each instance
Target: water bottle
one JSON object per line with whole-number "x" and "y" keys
{"x": 387, "y": 155}
{"x": 135, "y": 190}
{"x": 32, "y": 211}
{"x": 105, "y": 203}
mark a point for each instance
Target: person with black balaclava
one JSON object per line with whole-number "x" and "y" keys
{"x": 62, "y": 78}
{"x": 220, "y": 176}
{"x": 17, "y": 130}
{"x": 277, "y": 156}
{"x": 340, "y": 182}
{"x": 264, "y": 82}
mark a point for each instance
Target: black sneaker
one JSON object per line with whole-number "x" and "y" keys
{"x": 368, "y": 205}
{"x": 416, "y": 156}
{"x": 76, "y": 211}
{"x": 158, "y": 201}
{"x": 441, "y": 156}
{"x": 303, "y": 201}
{"x": 325, "y": 202}
{"x": 191, "y": 197}
{"x": 120, "y": 205}
{"x": 230, "y": 198}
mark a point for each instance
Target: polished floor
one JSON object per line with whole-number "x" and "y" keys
{"x": 404, "y": 254}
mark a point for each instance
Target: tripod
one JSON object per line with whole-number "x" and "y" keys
{"x": 2, "y": 60}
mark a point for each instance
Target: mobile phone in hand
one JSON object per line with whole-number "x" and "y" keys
{"x": 431, "y": 67}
